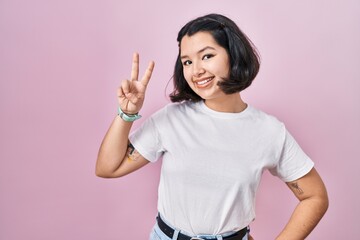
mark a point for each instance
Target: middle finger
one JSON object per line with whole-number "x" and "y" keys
{"x": 135, "y": 67}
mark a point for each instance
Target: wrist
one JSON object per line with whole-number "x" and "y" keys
{"x": 128, "y": 117}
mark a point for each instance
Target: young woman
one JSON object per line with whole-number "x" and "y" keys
{"x": 214, "y": 145}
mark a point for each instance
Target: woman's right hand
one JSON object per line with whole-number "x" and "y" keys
{"x": 131, "y": 93}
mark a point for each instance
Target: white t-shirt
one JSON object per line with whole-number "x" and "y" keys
{"x": 213, "y": 162}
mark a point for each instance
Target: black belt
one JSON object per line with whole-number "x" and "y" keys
{"x": 170, "y": 232}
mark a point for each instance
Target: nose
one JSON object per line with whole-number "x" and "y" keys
{"x": 198, "y": 69}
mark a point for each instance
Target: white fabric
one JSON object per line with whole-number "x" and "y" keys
{"x": 213, "y": 162}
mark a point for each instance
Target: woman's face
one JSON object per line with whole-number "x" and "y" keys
{"x": 205, "y": 63}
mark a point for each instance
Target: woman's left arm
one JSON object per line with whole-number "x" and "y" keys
{"x": 311, "y": 192}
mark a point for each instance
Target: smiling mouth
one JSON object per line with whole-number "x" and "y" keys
{"x": 203, "y": 82}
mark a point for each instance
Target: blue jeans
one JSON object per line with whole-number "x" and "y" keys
{"x": 157, "y": 234}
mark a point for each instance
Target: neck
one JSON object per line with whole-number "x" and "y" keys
{"x": 232, "y": 103}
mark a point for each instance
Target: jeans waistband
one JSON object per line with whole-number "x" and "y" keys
{"x": 169, "y": 231}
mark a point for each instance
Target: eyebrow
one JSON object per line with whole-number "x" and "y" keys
{"x": 200, "y": 51}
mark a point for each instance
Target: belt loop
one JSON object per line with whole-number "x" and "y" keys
{"x": 219, "y": 237}
{"x": 176, "y": 234}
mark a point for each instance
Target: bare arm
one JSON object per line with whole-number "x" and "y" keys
{"x": 117, "y": 157}
{"x": 311, "y": 192}
{"x": 115, "y": 149}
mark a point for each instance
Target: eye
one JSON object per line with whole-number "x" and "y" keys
{"x": 187, "y": 62}
{"x": 207, "y": 56}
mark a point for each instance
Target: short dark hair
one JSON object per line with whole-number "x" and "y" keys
{"x": 244, "y": 58}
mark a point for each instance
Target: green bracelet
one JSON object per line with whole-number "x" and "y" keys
{"x": 128, "y": 117}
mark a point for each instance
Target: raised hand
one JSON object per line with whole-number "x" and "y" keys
{"x": 131, "y": 93}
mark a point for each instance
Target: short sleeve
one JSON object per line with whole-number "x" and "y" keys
{"x": 146, "y": 141}
{"x": 293, "y": 162}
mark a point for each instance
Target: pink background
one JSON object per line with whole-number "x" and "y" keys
{"x": 60, "y": 65}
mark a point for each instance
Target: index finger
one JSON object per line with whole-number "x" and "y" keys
{"x": 146, "y": 78}
{"x": 135, "y": 67}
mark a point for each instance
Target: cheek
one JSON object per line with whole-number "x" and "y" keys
{"x": 224, "y": 70}
{"x": 187, "y": 75}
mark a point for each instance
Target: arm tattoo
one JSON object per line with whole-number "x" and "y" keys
{"x": 296, "y": 187}
{"x": 132, "y": 153}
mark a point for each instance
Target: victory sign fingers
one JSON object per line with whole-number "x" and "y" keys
{"x": 131, "y": 92}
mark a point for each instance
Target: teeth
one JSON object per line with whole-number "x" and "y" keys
{"x": 204, "y": 81}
